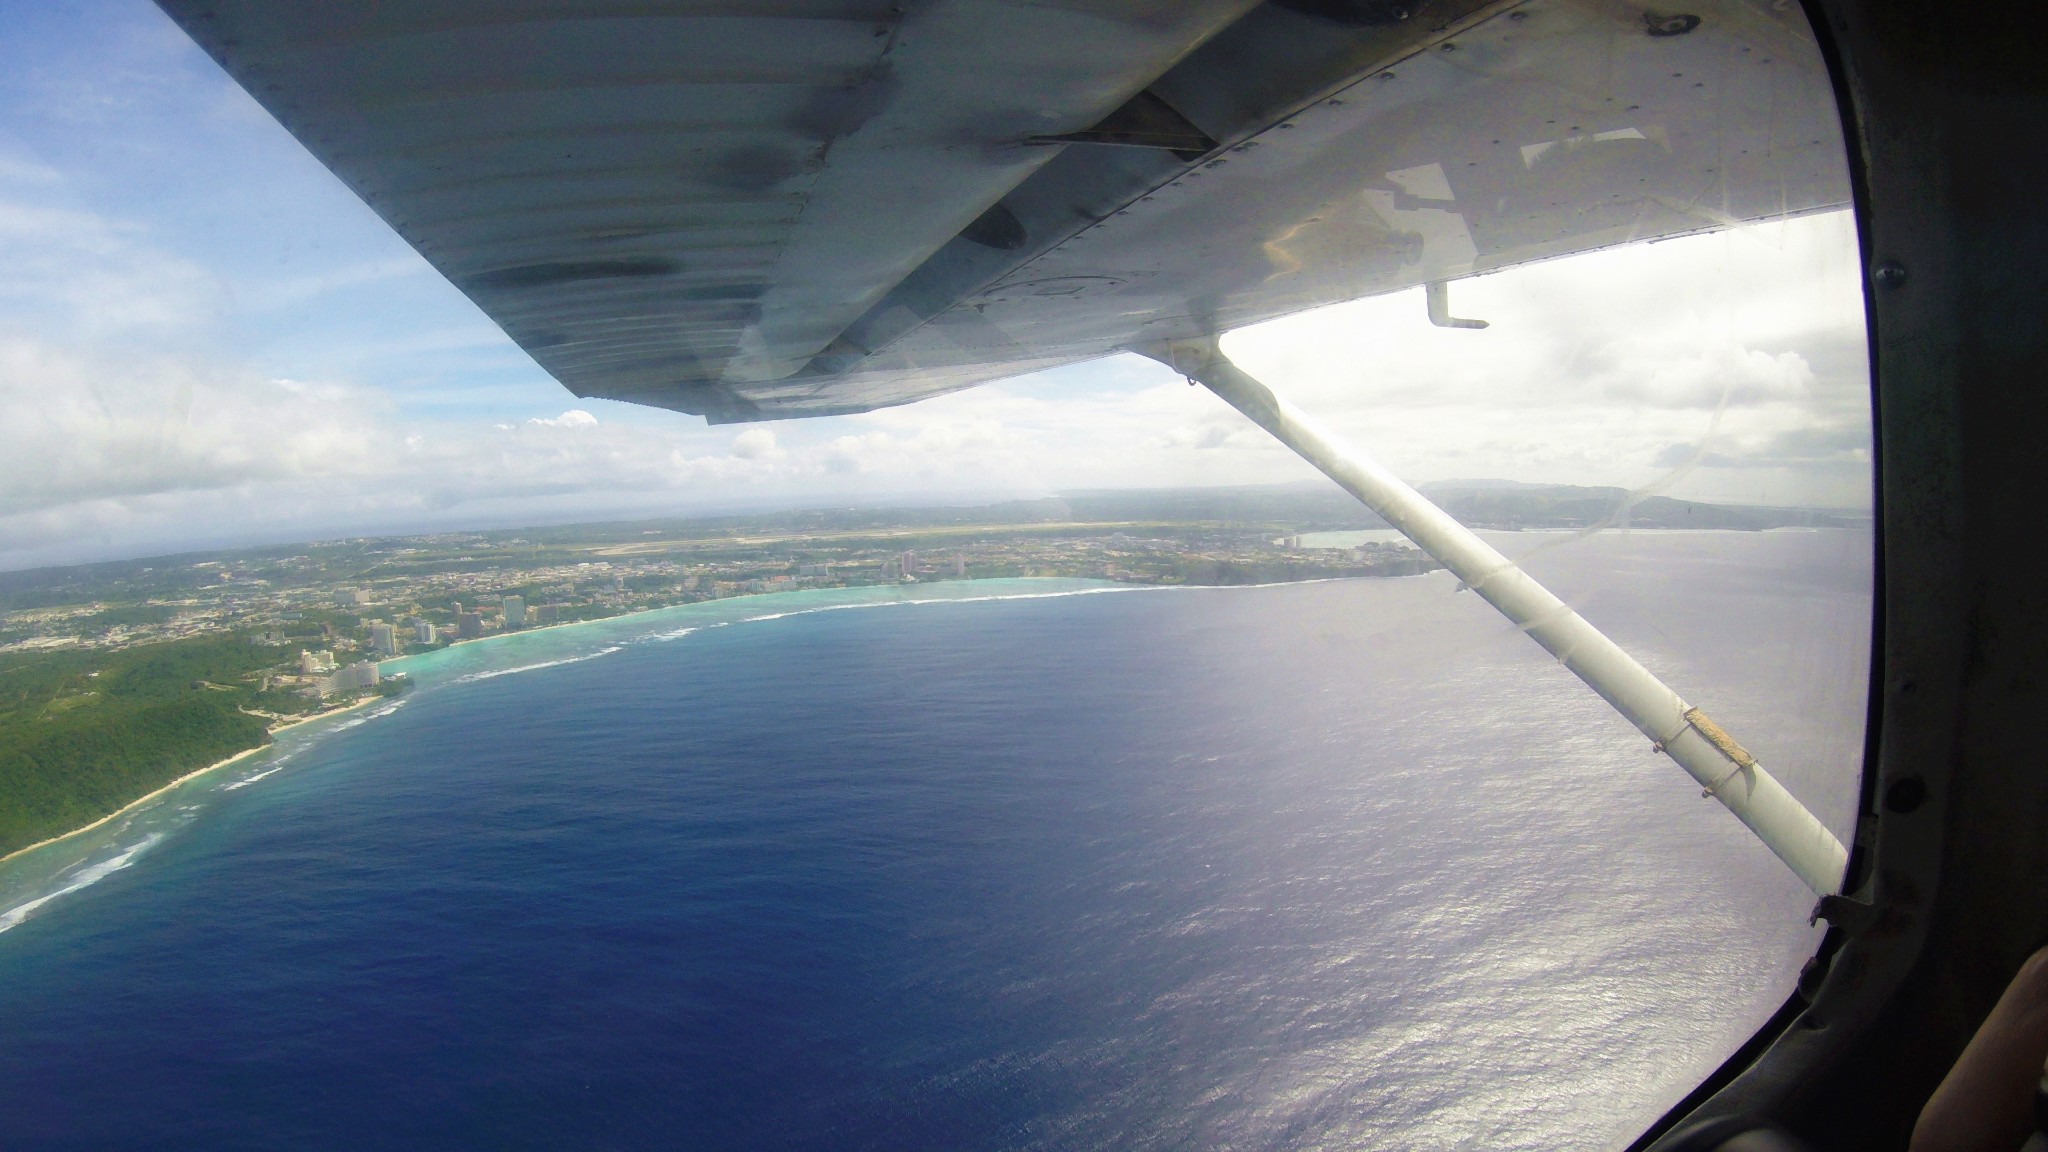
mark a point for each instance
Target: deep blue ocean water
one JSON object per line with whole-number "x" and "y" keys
{"x": 1346, "y": 864}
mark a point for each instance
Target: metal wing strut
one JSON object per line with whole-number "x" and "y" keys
{"x": 1679, "y": 730}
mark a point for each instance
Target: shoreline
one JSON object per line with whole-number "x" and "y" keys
{"x": 540, "y": 628}
{"x": 194, "y": 774}
{"x": 367, "y": 700}
{"x": 397, "y": 664}
{"x": 1108, "y": 584}
{"x": 1104, "y": 580}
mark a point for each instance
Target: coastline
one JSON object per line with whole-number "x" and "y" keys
{"x": 400, "y": 665}
{"x": 538, "y": 629}
{"x": 497, "y": 643}
{"x": 194, "y": 774}
{"x": 484, "y": 642}
{"x": 499, "y": 640}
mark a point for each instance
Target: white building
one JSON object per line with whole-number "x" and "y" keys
{"x": 514, "y": 609}
{"x": 423, "y": 632}
{"x": 357, "y": 676}
{"x": 315, "y": 663}
{"x": 383, "y": 639}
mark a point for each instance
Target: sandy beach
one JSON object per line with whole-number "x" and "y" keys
{"x": 399, "y": 661}
{"x": 213, "y": 767}
{"x": 141, "y": 800}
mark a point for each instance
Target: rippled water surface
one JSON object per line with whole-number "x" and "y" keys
{"x": 1347, "y": 864}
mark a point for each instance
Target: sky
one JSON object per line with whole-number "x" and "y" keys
{"x": 207, "y": 341}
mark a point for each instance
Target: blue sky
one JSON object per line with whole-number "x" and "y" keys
{"x": 205, "y": 339}
{"x": 113, "y": 123}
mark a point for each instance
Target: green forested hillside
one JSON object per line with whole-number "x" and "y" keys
{"x": 83, "y": 733}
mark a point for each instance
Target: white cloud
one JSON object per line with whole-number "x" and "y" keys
{"x": 573, "y": 418}
{"x": 72, "y": 271}
{"x": 81, "y": 430}
{"x": 130, "y": 429}
{"x": 1596, "y": 366}
{"x": 756, "y": 444}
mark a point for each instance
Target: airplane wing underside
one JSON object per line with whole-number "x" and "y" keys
{"x": 756, "y": 209}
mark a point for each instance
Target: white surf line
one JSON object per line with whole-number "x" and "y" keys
{"x": 952, "y": 600}
{"x": 621, "y": 643}
{"x": 283, "y": 759}
{"x": 85, "y": 879}
{"x": 276, "y": 766}
{"x": 494, "y": 673}
{"x": 140, "y": 801}
{"x": 372, "y": 714}
{"x": 678, "y": 633}
{"x": 1071, "y": 592}
{"x": 93, "y": 874}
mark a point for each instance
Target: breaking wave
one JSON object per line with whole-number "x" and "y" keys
{"x": 85, "y": 878}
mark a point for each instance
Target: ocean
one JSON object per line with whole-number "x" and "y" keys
{"x": 991, "y": 865}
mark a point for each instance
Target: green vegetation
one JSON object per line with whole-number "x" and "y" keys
{"x": 125, "y": 615}
{"x": 84, "y": 732}
{"x": 118, "y": 677}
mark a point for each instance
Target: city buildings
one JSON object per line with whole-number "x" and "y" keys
{"x": 353, "y": 678}
{"x": 435, "y": 589}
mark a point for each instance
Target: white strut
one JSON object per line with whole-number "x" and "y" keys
{"x": 1727, "y": 772}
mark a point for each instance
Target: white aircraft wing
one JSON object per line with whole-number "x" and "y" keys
{"x": 755, "y": 209}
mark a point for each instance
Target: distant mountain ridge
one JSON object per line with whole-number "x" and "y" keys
{"x": 1493, "y": 504}
{"x": 1508, "y": 505}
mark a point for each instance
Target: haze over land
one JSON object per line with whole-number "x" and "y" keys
{"x": 1170, "y": 536}
{"x": 118, "y": 677}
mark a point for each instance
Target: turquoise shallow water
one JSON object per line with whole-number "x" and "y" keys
{"x": 35, "y": 881}
{"x": 540, "y": 647}
{"x": 1025, "y": 865}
